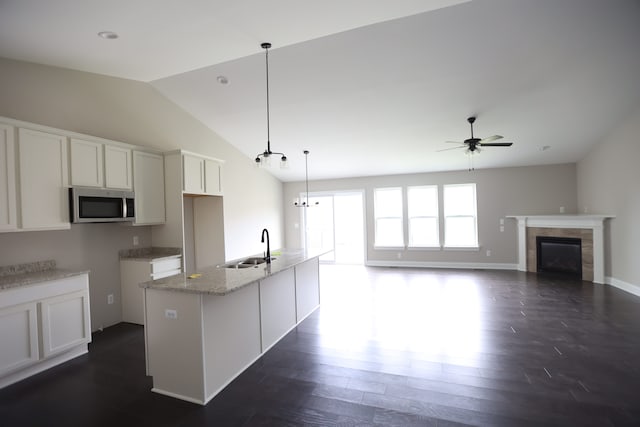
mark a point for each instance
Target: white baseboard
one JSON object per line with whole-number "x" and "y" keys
{"x": 461, "y": 265}
{"x": 628, "y": 287}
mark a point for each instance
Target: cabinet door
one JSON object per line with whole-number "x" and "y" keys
{"x": 133, "y": 273}
{"x": 212, "y": 177}
{"x": 44, "y": 179}
{"x": 193, "y": 174}
{"x": 65, "y": 322}
{"x": 8, "y": 219}
{"x": 148, "y": 184}
{"x": 117, "y": 167}
{"x": 277, "y": 307}
{"x": 307, "y": 288}
{"x": 19, "y": 337}
{"x": 86, "y": 163}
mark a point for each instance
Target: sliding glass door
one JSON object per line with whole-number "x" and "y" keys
{"x": 336, "y": 223}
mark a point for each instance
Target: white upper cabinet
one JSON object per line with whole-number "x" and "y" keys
{"x": 94, "y": 164}
{"x": 117, "y": 170}
{"x": 8, "y": 218}
{"x": 86, "y": 163}
{"x": 148, "y": 185}
{"x": 201, "y": 175}
{"x": 43, "y": 180}
{"x": 193, "y": 170}
{"x": 213, "y": 182}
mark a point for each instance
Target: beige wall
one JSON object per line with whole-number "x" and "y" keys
{"x": 500, "y": 192}
{"x": 608, "y": 180}
{"x": 135, "y": 113}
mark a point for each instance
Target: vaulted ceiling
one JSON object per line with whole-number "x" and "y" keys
{"x": 369, "y": 87}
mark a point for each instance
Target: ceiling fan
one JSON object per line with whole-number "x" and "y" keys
{"x": 473, "y": 144}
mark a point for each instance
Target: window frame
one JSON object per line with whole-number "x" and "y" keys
{"x": 475, "y": 245}
{"x": 438, "y": 243}
{"x": 376, "y": 245}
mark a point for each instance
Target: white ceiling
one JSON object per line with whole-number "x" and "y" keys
{"x": 370, "y": 87}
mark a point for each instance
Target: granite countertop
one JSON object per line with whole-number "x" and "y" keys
{"x": 222, "y": 281}
{"x": 32, "y": 273}
{"x": 149, "y": 253}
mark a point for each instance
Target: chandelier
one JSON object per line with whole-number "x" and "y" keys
{"x": 264, "y": 158}
{"x": 305, "y": 203}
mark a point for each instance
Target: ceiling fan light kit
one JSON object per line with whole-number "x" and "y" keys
{"x": 263, "y": 159}
{"x": 474, "y": 144}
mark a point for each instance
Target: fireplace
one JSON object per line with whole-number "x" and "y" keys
{"x": 588, "y": 228}
{"x": 561, "y": 255}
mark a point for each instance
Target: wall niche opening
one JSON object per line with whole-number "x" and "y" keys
{"x": 559, "y": 255}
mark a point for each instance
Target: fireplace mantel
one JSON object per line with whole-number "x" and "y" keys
{"x": 593, "y": 222}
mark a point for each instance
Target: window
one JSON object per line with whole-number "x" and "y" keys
{"x": 460, "y": 221}
{"x": 423, "y": 216}
{"x": 388, "y": 217}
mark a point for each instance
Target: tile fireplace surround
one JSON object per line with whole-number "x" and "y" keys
{"x": 588, "y": 228}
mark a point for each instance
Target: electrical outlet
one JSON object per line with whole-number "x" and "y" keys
{"x": 502, "y": 228}
{"x": 110, "y": 299}
{"x": 136, "y": 240}
{"x": 170, "y": 314}
{"x": 399, "y": 255}
{"x": 501, "y": 221}
{"x": 488, "y": 252}
{"x": 561, "y": 209}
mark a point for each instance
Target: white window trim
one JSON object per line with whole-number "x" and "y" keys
{"x": 475, "y": 246}
{"x": 436, "y": 217}
{"x": 376, "y": 218}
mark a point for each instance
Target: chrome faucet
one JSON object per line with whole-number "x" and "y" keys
{"x": 268, "y": 256}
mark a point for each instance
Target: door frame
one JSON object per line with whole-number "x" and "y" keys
{"x": 326, "y": 193}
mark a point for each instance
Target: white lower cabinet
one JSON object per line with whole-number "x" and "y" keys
{"x": 277, "y": 307}
{"x": 43, "y": 325}
{"x": 136, "y": 271}
{"x": 19, "y": 337}
{"x": 65, "y": 322}
{"x": 307, "y": 288}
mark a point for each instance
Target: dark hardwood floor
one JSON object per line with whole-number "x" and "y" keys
{"x": 389, "y": 347}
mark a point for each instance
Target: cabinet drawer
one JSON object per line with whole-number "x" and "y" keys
{"x": 165, "y": 265}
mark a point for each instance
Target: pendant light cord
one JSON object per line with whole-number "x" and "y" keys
{"x": 306, "y": 173}
{"x": 266, "y": 56}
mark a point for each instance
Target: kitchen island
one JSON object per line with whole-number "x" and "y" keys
{"x": 203, "y": 330}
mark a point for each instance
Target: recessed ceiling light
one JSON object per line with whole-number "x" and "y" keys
{"x": 108, "y": 35}
{"x": 222, "y": 80}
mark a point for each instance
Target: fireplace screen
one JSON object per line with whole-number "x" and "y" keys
{"x": 559, "y": 255}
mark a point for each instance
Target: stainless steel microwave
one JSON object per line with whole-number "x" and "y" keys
{"x": 101, "y": 205}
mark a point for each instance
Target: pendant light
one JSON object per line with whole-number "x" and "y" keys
{"x": 264, "y": 158}
{"x": 305, "y": 203}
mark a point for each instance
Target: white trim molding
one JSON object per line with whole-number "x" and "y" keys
{"x": 627, "y": 287}
{"x": 592, "y": 222}
{"x": 452, "y": 265}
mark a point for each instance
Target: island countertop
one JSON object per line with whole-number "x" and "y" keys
{"x": 222, "y": 281}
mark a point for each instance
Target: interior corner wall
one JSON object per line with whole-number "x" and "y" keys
{"x": 608, "y": 180}
{"x": 135, "y": 113}
{"x": 532, "y": 190}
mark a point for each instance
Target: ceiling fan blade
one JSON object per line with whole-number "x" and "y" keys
{"x": 497, "y": 144}
{"x": 490, "y": 138}
{"x": 454, "y": 142}
{"x": 452, "y": 148}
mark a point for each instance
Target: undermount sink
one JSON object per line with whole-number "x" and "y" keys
{"x": 253, "y": 261}
{"x": 247, "y": 263}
